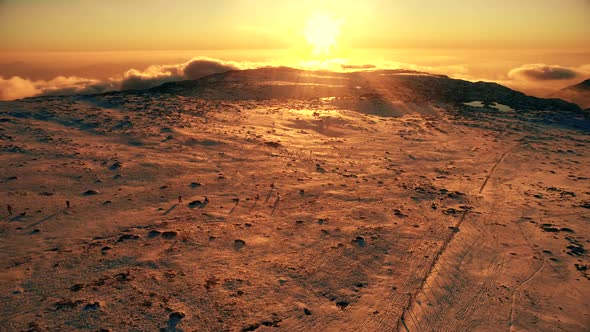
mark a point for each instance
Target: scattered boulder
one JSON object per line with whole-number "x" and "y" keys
{"x": 169, "y": 235}
{"x": 398, "y": 213}
{"x": 342, "y": 304}
{"x": 177, "y": 315}
{"x": 360, "y": 241}
{"x": 576, "y": 250}
{"x": 239, "y": 244}
{"x": 583, "y": 269}
{"x": 66, "y": 304}
{"x": 153, "y": 234}
{"x": 195, "y": 204}
{"x": 117, "y": 165}
{"x": 91, "y": 306}
{"x": 76, "y": 287}
{"x": 273, "y": 144}
{"x": 126, "y": 237}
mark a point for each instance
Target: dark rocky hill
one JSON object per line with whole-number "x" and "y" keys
{"x": 394, "y": 85}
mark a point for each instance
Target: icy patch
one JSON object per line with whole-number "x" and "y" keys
{"x": 474, "y": 104}
{"x": 498, "y": 106}
{"x": 502, "y": 108}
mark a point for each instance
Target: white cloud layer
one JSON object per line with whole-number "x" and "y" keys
{"x": 17, "y": 87}
{"x": 538, "y": 79}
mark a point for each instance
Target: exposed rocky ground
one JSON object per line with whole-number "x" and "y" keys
{"x": 286, "y": 200}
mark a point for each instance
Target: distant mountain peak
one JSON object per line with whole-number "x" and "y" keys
{"x": 582, "y": 86}
{"x": 578, "y": 94}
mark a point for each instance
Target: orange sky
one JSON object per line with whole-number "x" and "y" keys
{"x": 62, "y": 25}
{"x": 475, "y": 40}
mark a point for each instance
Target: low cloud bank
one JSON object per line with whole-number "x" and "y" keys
{"x": 537, "y": 79}
{"x": 547, "y": 81}
{"x": 17, "y": 87}
{"x": 349, "y": 67}
{"x": 542, "y": 72}
{"x": 155, "y": 75}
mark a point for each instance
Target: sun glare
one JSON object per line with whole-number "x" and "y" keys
{"x": 321, "y": 32}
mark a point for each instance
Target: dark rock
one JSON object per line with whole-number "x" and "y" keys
{"x": 360, "y": 241}
{"x": 195, "y": 204}
{"x": 117, "y": 165}
{"x": 76, "y": 287}
{"x": 251, "y": 327}
{"x": 398, "y": 213}
{"x": 576, "y": 250}
{"x": 239, "y": 244}
{"x": 126, "y": 237}
{"x": 66, "y": 304}
{"x": 177, "y": 315}
{"x": 91, "y": 306}
{"x": 342, "y": 304}
{"x": 169, "y": 235}
{"x": 153, "y": 234}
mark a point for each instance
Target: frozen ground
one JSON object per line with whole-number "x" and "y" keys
{"x": 326, "y": 212}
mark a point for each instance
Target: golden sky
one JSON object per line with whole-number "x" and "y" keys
{"x": 107, "y": 25}
{"x": 535, "y": 46}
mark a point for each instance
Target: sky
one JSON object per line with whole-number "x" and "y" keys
{"x": 475, "y": 39}
{"x": 107, "y": 25}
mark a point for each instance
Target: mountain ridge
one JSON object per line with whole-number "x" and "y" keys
{"x": 582, "y": 86}
{"x": 578, "y": 94}
{"x": 400, "y": 85}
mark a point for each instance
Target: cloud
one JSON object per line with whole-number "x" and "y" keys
{"x": 204, "y": 67}
{"x": 453, "y": 70}
{"x": 133, "y": 79}
{"x": 74, "y": 85}
{"x": 194, "y": 69}
{"x": 354, "y": 67}
{"x": 16, "y": 87}
{"x": 155, "y": 75}
{"x": 542, "y": 72}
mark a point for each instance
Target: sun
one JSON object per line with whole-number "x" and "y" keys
{"x": 321, "y": 32}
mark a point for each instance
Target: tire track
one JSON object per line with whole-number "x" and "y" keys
{"x": 517, "y": 289}
{"x": 412, "y": 302}
{"x": 491, "y": 173}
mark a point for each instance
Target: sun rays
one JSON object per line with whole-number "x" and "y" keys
{"x": 321, "y": 33}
